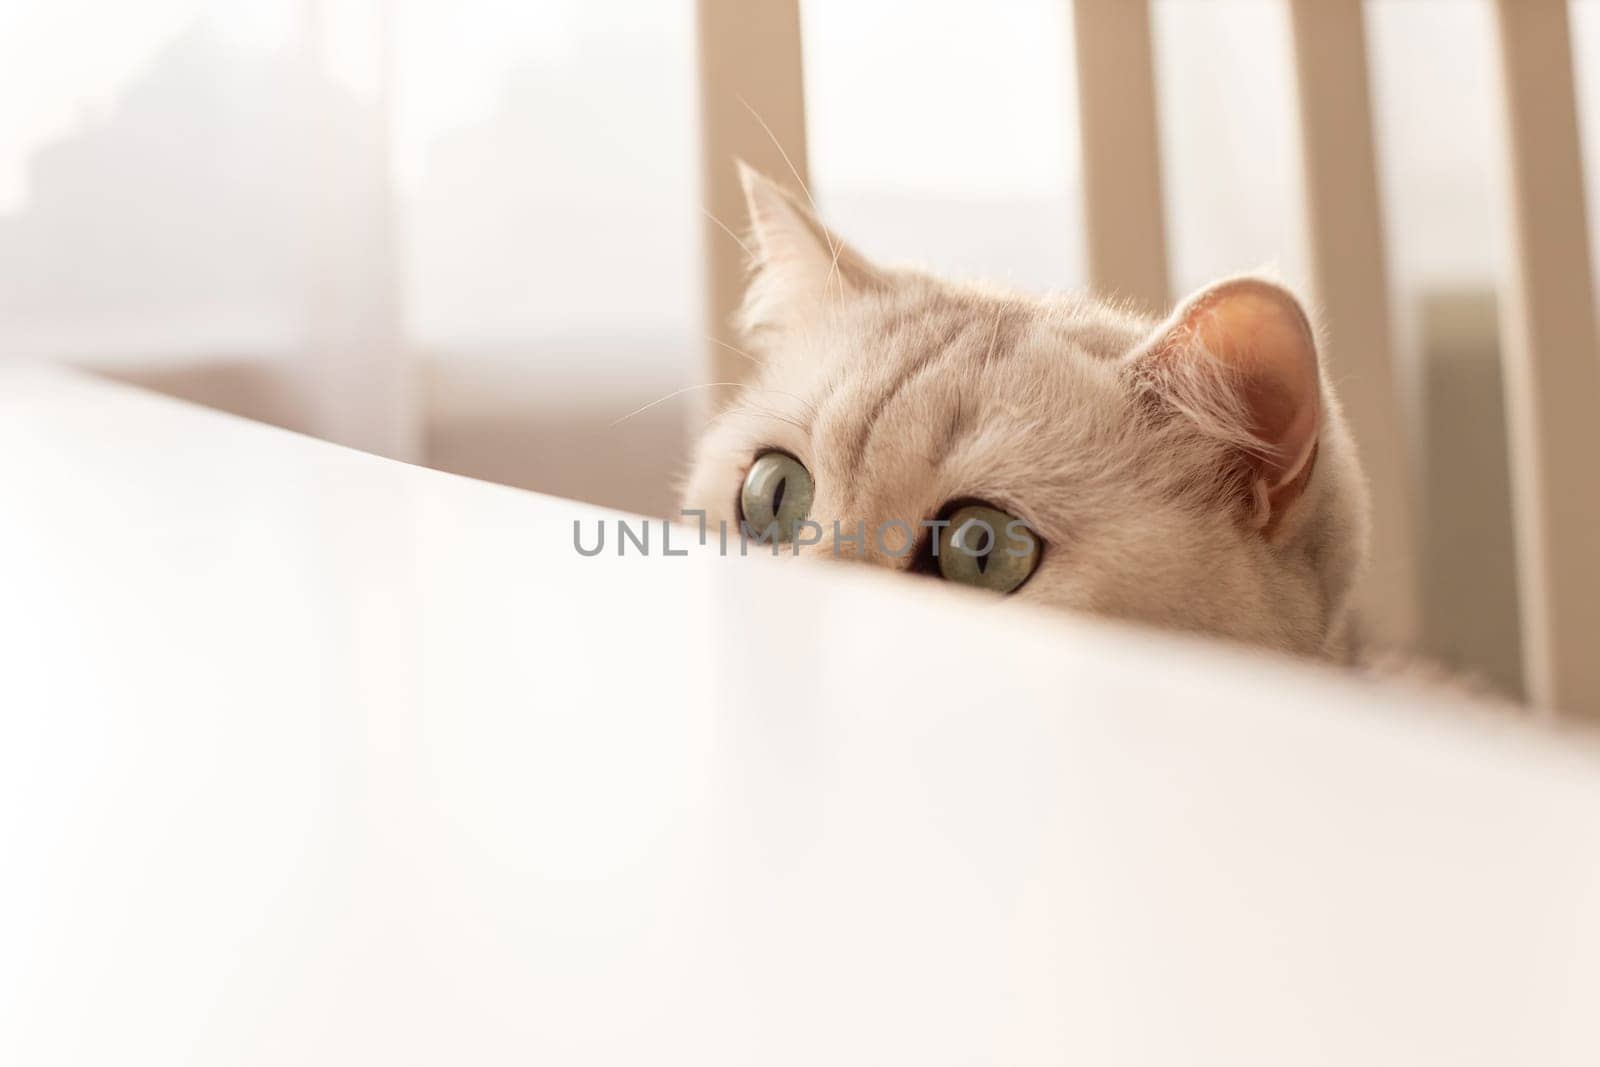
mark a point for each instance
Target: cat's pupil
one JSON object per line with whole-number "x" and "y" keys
{"x": 983, "y": 560}
{"x": 777, "y": 495}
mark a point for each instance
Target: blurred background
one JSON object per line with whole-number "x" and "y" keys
{"x": 468, "y": 234}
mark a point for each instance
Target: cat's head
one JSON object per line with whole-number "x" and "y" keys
{"x": 1193, "y": 472}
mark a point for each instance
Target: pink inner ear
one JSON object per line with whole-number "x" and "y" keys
{"x": 1259, "y": 332}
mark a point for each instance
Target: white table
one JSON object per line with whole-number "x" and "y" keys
{"x": 310, "y": 757}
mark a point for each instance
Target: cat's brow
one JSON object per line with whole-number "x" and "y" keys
{"x": 950, "y": 331}
{"x": 956, "y": 427}
{"x": 936, "y": 346}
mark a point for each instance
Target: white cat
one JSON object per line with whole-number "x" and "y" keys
{"x": 1193, "y": 473}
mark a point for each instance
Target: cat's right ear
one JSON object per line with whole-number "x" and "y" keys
{"x": 1239, "y": 358}
{"x": 799, "y": 265}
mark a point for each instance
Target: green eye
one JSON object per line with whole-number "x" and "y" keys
{"x": 988, "y": 548}
{"x": 777, "y": 490}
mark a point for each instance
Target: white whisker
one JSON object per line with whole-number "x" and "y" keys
{"x": 671, "y": 395}
{"x": 725, "y": 229}
{"x": 758, "y": 361}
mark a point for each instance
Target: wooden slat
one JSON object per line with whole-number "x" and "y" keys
{"x": 355, "y": 378}
{"x": 1552, "y": 362}
{"x": 1124, "y": 221}
{"x": 752, "y": 107}
{"x": 1352, "y": 294}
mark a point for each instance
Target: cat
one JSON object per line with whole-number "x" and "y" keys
{"x": 1193, "y": 472}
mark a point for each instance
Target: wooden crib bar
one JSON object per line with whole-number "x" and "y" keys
{"x": 1123, "y": 210}
{"x": 752, "y": 107}
{"x": 1551, "y": 361}
{"x": 1351, "y": 291}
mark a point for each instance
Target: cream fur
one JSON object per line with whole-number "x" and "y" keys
{"x": 900, "y": 392}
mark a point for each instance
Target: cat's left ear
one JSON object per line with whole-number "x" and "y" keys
{"x": 799, "y": 264}
{"x": 1240, "y": 358}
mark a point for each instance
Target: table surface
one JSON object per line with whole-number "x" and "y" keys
{"x": 311, "y": 757}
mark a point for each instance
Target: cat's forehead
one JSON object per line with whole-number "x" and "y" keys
{"x": 945, "y": 392}
{"x": 931, "y": 344}
{"x": 925, "y": 315}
